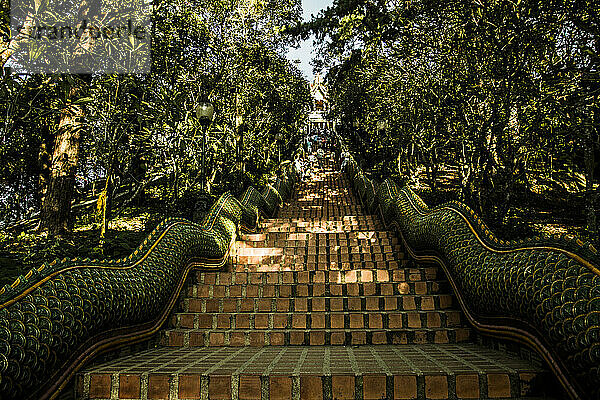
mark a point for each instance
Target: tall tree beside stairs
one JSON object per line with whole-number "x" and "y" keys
{"x": 56, "y": 208}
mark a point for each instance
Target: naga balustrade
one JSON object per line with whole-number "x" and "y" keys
{"x": 543, "y": 292}
{"x": 60, "y": 315}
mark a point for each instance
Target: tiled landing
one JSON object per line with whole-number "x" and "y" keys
{"x": 448, "y": 371}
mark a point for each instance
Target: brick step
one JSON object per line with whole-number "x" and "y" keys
{"x": 314, "y": 264}
{"x": 294, "y": 255}
{"x": 299, "y": 221}
{"x": 322, "y": 276}
{"x": 448, "y": 371}
{"x": 323, "y": 236}
{"x": 322, "y": 229}
{"x": 314, "y": 237}
{"x": 343, "y": 200}
{"x": 327, "y": 240}
{"x": 333, "y": 247}
{"x": 317, "y": 289}
{"x": 290, "y": 254}
{"x": 317, "y": 212}
{"x": 293, "y": 248}
{"x": 342, "y": 221}
{"x": 389, "y": 266}
{"x": 346, "y": 200}
{"x": 346, "y": 218}
{"x": 334, "y": 209}
{"x": 309, "y": 188}
{"x": 307, "y": 223}
{"x": 313, "y": 337}
{"x": 322, "y": 247}
{"x": 306, "y": 196}
{"x": 326, "y": 261}
{"x": 344, "y": 205}
{"x": 321, "y": 304}
{"x": 315, "y": 320}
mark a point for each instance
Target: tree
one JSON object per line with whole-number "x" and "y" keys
{"x": 56, "y": 208}
{"x": 485, "y": 87}
{"x": 134, "y": 133}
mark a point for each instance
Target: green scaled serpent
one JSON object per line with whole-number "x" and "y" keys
{"x": 61, "y": 314}
{"x": 543, "y": 292}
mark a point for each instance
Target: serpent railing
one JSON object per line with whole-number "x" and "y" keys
{"x": 58, "y": 316}
{"x": 543, "y": 292}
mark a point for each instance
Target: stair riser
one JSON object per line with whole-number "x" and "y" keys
{"x": 325, "y": 214}
{"x": 372, "y": 320}
{"x": 264, "y": 249}
{"x": 330, "y": 246}
{"x": 345, "y": 254}
{"x": 319, "y": 229}
{"x": 316, "y": 277}
{"x": 341, "y": 226}
{"x": 305, "y": 387}
{"x": 346, "y": 238}
{"x": 320, "y": 304}
{"x": 341, "y": 207}
{"x": 318, "y": 289}
{"x": 301, "y": 262}
{"x": 346, "y": 220}
{"x": 314, "y": 263}
{"x": 194, "y": 338}
{"x": 301, "y": 222}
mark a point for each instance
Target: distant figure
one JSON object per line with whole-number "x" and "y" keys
{"x": 315, "y": 140}
{"x": 299, "y": 168}
{"x": 313, "y": 164}
{"x": 344, "y": 161}
{"x": 320, "y": 157}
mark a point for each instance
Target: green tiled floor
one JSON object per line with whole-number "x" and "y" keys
{"x": 318, "y": 360}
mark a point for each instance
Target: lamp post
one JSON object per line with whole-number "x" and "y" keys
{"x": 205, "y": 113}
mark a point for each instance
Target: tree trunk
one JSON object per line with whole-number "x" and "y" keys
{"x": 56, "y": 209}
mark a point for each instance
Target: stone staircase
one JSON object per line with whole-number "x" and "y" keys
{"x": 323, "y": 303}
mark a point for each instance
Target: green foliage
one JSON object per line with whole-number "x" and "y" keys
{"x": 142, "y": 132}
{"x": 139, "y": 128}
{"x": 502, "y": 91}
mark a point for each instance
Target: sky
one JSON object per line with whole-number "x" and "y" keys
{"x": 304, "y": 53}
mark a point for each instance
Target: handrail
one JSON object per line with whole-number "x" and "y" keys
{"x": 543, "y": 292}
{"x": 60, "y": 315}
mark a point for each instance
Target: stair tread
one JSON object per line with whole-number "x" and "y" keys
{"x": 422, "y": 359}
{"x": 324, "y": 296}
{"x": 345, "y": 312}
{"x": 308, "y": 329}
